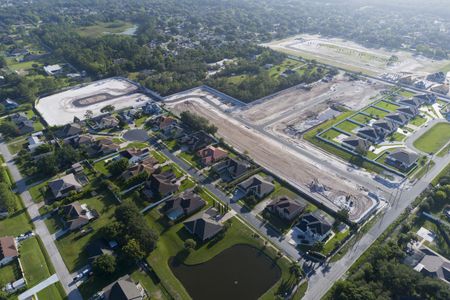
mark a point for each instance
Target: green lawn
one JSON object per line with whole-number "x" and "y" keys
{"x": 434, "y": 139}
{"x": 171, "y": 243}
{"x": 9, "y": 273}
{"x": 35, "y": 263}
{"x": 334, "y": 242}
{"x": 191, "y": 159}
{"x": 72, "y": 245}
{"x": 101, "y": 167}
{"x": 360, "y": 118}
{"x": 37, "y": 192}
{"x": 397, "y": 137}
{"x": 417, "y": 121}
{"x": 17, "y": 223}
{"x": 347, "y": 126}
{"x": 377, "y": 113}
{"x": 387, "y": 105}
{"x": 331, "y": 134}
{"x": 15, "y": 147}
{"x": 159, "y": 156}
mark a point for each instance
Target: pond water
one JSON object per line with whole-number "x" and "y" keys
{"x": 240, "y": 272}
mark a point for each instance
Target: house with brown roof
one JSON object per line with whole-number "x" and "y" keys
{"x": 148, "y": 165}
{"x": 161, "y": 185}
{"x": 135, "y": 155}
{"x": 8, "y": 250}
{"x": 205, "y": 224}
{"x": 286, "y": 208}
{"x": 124, "y": 289}
{"x": 105, "y": 122}
{"x": 183, "y": 205}
{"x": 77, "y": 215}
{"x": 210, "y": 155}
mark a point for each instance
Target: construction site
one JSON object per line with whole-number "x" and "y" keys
{"x": 311, "y": 171}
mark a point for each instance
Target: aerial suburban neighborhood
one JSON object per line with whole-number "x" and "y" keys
{"x": 224, "y": 150}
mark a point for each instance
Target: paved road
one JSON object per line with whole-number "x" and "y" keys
{"x": 39, "y": 287}
{"x": 324, "y": 277}
{"x": 40, "y": 227}
{"x": 262, "y": 227}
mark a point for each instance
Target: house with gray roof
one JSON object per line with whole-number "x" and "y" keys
{"x": 256, "y": 186}
{"x": 386, "y": 126}
{"x": 399, "y": 119}
{"x": 183, "y": 205}
{"x": 205, "y": 224}
{"x": 410, "y": 111}
{"x": 61, "y": 187}
{"x": 430, "y": 263}
{"x": 313, "y": 227}
{"x": 124, "y": 289}
{"x": 402, "y": 159}
{"x": 428, "y": 98}
{"x": 69, "y": 130}
{"x": 414, "y": 102}
{"x": 370, "y": 134}
{"x": 356, "y": 144}
{"x": 231, "y": 168}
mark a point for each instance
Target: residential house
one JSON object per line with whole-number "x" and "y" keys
{"x": 402, "y": 159}
{"x": 231, "y": 168}
{"x": 286, "y": 208}
{"x": 428, "y": 98}
{"x": 69, "y": 130}
{"x": 183, "y": 205}
{"x": 26, "y": 127}
{"x": 370, "y": 134}
{"x": 135, "y": 155}
{"x": 386, "y": 126}
{"x": 414, "y": 102}
{"x": 9, "y": 104}
{"x": 128, "y": 116}
{"x": 210, "y": 155}
{"x": 151, "y": 108}
{"x": 8, "y": 250}
{"x": 35, "y": 140}
{"x": 97, "y": 248}
{"x": 165, "y": 122}
{"x": 61, "y": 187}
{"x": 313, "y": 227}
{"x": 432, "y": 264}
{"x": 441, "y": 89}
{"x": 256, "y": 186}
{"x": 77, "y": 215}
{"x": 16, "y": 52}
{"x": 124, "y": 289}
{"x": 105, "y": 147}
{"x": 19, "y": 117}
{"x": 356, "y": 144}
{"x": 410, "y": 111}
{"x": 105, "y": 122}
{"x": 148, "y": 165}
{"x": 438, "y": 77}
{"x": 161, "y": 184}
{"x": 52, "y": 70}
{"x": 205, "y": 224}
{"x": 196, "y": 141}
{"x": 397, "y": 118}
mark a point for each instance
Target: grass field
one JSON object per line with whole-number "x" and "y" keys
{"x": 15, "y": 147}
{"x": 101, "y": 28}
{"x": 17, "y": 223}
{"x": 434, "y": 139}
{"x": 360, "y": 118}
{"x": 347, "y": 126}
{"x": 377, "y": 113}
{"x": 36, "y": 268}
{"x": 387, "y": 105}
{"x": 9, "y": 273}
{"x": 417, "y": 121}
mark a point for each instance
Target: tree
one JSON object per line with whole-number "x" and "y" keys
{"x": 9, "y": 129}
{"x": 190, "y": 245}
{"x": 132, "y": 250}
{"x": 7, "y": 198}
{"x": 2, "y": 62}
{"x": 88, "y": 114}
{"x": 105, "y": 264}
{"x": 118, "y": 167}
{"x": 108, "y": 109}
{"x": 295, "y": 270}
{"x": 318, "y": 246}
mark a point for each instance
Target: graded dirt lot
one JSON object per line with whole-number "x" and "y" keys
{"x": 279, "y": 159}
{"x": 293, "y": 102}
{"x": 61, "y": 108}
{"x": 355, "y": 57}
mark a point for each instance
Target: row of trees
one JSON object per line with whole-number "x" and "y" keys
{"x": 197, "y": 122}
